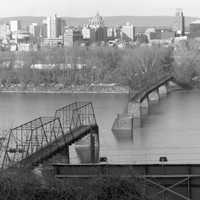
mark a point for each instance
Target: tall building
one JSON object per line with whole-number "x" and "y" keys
{"x": 72, "y": 37}
{"x": 179, "y": 24}
{"x": 5, "y": 32}
{"x": 110, "y": 33}
{"x": 55, "y": 26}
{"x": 15, "y": 25}
{"x": 128, "y": 32}
{"x": 98, "y": 30}
{"x": 86, "y": 33}
{"x": 43, "y": 29}
{"x": 34, "y": 29}
{"x": 195, "y": 29}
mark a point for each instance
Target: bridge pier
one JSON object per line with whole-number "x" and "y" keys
{"x": 94, "y": 145}
{"x": 163, "y": 90}
{"x": 167, "y": 88}
{"x": 88, "y": 148}
{"x": 134, "y": 109}
{"x": 158, "y": 94}
{"x": 145, "y": 105}
{"x": 154, "y": 96}
{"x": 67, "y": 154}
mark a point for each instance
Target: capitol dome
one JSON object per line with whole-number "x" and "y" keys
{"x": 96, "y": 21}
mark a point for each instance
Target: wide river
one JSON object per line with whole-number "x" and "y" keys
{"x": 171, "y": 129}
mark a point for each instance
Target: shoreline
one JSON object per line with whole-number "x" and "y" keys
{"x": 65, "y": 92}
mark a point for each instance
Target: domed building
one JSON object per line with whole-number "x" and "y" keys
{"x": 96, "y": 21}
{"x": 95, "y": 31}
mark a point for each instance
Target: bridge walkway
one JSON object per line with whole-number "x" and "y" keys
{"x": 140, "y": 95}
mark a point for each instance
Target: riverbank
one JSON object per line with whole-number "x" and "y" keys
{"x": 68, "y": 90}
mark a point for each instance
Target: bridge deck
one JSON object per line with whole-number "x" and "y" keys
{"x": 141, "y": 95}
{"x": 56, "y": 146}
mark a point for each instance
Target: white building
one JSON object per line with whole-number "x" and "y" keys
{"x": 86, "y": 32}
{"x": 128, "y": 32}
{"x": 55, "y": 26}
{"x": 5, "y": 31}
{"x": 15, "y": 25}
{"x": 34, "y": 29}
{"x": 179, "y": 23}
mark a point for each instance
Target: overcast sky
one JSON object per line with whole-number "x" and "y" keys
{"x": 85, "y": 8}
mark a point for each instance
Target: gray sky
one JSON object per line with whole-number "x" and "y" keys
{"x": 85, "y": 8}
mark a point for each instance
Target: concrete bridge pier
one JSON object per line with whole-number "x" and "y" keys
{"x": 67, "y": 154}
{"x": 163, "y": 90}
{"x": 167, "y": 88}
{"x": 92, "y": 148}
{"x": 135, "y": 111}
{"x": 158, "y": 94}
{"x": 154, "y": 96}
{"x": 88, "y": 148}
{"x": 145, "y": 105}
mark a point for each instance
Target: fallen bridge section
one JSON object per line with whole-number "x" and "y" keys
{"x": 40, "y": 139}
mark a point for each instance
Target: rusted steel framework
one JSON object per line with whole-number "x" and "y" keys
{"x": 36, "y": 139}
{"x": 75, "y": 115}
{"x": 28, "y": 138}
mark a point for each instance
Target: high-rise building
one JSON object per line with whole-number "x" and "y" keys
{"x": 110, "y": 33}
{"x": 34, "y": 29}
{"x": 128, "y": 32}
{"x": 43, "y": 30}
{"x": 195, "y": 29}
{"x": 55, "y": 26}
{"x": 179, "y": 24}
{"x": 98, "y": 35}
{"x": 72, "y": 37}
{"x": 98, "y": 31}
{"x": 15, "y": 25}
{"x": 86, "y": 33}
{"x": 5, "y": 32}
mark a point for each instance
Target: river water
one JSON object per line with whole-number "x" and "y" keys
{"x": 171, "y": 129}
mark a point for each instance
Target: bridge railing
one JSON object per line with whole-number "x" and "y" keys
{"x": 83, "y": 116}
{"x": 28, "y": 138}
{"x": 75, "y": 115}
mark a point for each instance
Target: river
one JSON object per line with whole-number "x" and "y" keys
{"x": 171, "y": 129}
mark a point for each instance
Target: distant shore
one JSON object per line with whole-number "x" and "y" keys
{"x": 75, "y": 90}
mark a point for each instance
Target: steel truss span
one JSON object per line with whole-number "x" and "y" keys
{"x": 41, "y": 138}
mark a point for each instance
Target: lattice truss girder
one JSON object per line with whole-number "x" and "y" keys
{"x": 28, "y": 138}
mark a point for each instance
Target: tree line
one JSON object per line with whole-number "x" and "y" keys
{"x": 135, "y": 67}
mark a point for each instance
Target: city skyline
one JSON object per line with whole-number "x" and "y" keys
{"x": 87, "y": 8}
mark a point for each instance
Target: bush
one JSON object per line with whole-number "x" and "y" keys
{"x": 20, "y": 185}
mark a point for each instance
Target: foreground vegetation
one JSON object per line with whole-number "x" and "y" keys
{"x": 26, "y": 186}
